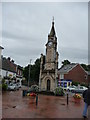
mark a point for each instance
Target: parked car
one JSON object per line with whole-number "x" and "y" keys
{"x": 19, "y": 85}
{"x": 11, "y": 87}
{"x": 80, "y": 89}
{"x": 71, "y": 88}
{"x": 16, "y": 86}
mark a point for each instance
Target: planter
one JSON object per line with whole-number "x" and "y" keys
{"x": 77, "y": 100}
{"x": 33, "y": 94}
{"x": 32, "y": 99}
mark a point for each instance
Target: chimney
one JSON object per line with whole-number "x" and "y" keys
{"x": 9, "y": 58}
{"x": 12, "y": 61}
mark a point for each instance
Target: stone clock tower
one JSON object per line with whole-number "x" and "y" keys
{"x": 49, "y": 64}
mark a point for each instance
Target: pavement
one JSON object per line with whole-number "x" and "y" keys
{"x": 14, "y": 105}
{"x": 0, "y": 104}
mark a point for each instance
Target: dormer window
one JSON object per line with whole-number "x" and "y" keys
{"x": 65, "y": 68}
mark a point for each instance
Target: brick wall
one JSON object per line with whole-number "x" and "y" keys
{"x": 89, "y": 79}
{"x": 77, "y": 74}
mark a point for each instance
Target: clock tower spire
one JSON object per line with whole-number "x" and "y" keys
{"x": 49, "y": 66}
{"x": 52, "y": 32}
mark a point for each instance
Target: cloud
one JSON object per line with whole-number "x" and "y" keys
{"x": 25, "y": 29}
{"x": 44, "y": 1}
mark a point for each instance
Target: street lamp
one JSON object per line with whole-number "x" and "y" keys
{"x": 29, "y": 73}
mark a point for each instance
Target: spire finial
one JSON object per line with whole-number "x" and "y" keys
{"x": 53, "y": 19}
{"x": 52, "y": 32}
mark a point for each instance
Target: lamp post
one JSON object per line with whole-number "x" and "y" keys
{"x": 29, "y": 73}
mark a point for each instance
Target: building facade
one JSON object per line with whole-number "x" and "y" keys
{"x": 1, "y": 63}
{"x": 8, "y": 68}
{"x": 11, "y": 71}
{"x": 19, "y": 74}
{"x": 74, "y": 72}
{"x": 89, "y": 78}
{"x": 49, "y": 63}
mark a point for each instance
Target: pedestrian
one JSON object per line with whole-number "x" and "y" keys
{"x": 36, "y": 99}
{"x": 86, "y": 96}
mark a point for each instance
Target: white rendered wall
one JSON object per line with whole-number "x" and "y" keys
{"x": 11, "y": 74}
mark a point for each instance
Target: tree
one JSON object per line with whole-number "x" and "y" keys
{"x": 88, "y": 67}
{"x": 34, "y": 72}
{"x": 84, "y": 66}
{"x": 65, "y": 62}
{"x": 26, "y": 72}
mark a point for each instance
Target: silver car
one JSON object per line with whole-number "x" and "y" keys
{"x": 80, "y": 89}
{"x": 71, "y": 88}
{"x": 16, "y": 86}
{"x": 11, "y": 87}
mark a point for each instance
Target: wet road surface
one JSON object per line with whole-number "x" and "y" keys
{"x": 16, "y": 106}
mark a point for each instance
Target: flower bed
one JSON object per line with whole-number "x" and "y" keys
{"x": 77, "y": 96}
{"x": 31, "y": 94}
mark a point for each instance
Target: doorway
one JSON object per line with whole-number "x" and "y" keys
{"x": 48, "y": 85}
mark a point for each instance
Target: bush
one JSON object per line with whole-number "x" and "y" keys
{"x": 83, "y": 84}
{"x": 4, "y": 86}
{"x": 59, "y": 91}
{"x": 34, "y": 88}
{"x": 78, "y": 83}
{"x": 3, "y": 81}
{"x": 75, "y": 83}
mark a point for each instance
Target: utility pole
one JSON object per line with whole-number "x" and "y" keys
{"x": 29, "y": 73}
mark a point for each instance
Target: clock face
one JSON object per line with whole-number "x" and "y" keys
{"x": 50, "y": 43}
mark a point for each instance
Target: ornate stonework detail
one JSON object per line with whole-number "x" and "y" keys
{"x": 49, "y": 64}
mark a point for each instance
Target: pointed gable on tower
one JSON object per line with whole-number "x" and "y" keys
{"x": 52, "y": 32}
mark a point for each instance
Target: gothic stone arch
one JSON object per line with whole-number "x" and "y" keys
{"x": 48, "y": 85}
{"x": 45, "y": 82}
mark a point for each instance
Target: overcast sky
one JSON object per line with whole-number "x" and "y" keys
{"x": 25, "y": 29}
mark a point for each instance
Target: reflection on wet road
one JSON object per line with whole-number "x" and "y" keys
{"x": 16, "y": 106}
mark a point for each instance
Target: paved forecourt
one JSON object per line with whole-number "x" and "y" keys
{"x": 16, "y": 106}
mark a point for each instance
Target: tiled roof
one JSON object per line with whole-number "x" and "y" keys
{"x": 67, "y": 68}
{"x": 88, "y": 72}
{"x": 8, "y": 65}
{"x": 52, "y": 32}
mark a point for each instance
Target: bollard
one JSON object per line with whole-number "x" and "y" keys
{"x": 36, "y": 99}
{"x": 67, "y": 98}
{"x": 24, "y": 93}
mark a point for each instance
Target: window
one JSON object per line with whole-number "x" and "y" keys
{"x": 85, "y": 77}
{"x": 81, "y": 87}
{"x": 18, "y": 72}
{"x": 61, "y": 76}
